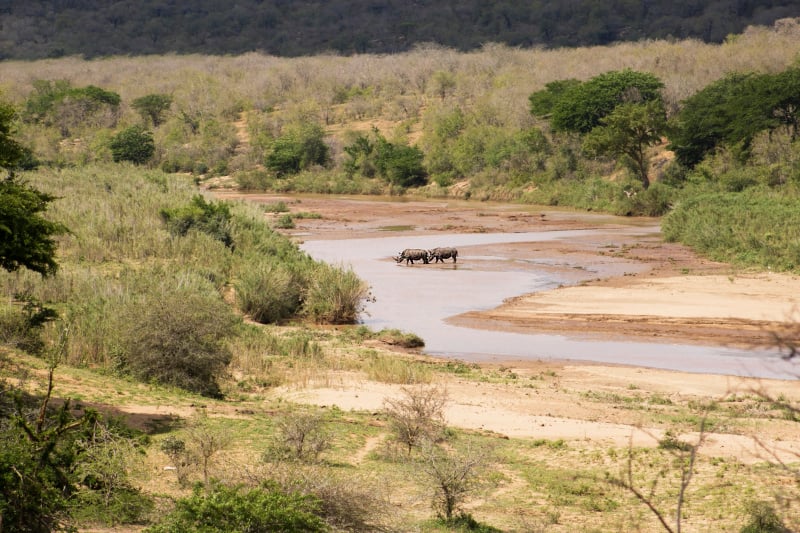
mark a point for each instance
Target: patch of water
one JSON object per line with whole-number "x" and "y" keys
{"x": 419, "y": 298}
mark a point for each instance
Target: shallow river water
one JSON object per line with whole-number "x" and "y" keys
{"x": 420, "y": 298}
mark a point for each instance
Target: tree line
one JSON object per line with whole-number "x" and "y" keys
{"x": 38, "y": 29}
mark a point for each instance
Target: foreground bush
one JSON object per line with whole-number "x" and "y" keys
{"x": 176, "y": 336}
{"x": 230, "y": 509}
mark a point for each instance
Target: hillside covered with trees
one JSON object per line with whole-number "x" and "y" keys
{"x": 32, "y": 29}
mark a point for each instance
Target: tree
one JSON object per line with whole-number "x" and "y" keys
{"x": 134, "y": 144}
{"x": 11, "y": 152}
{"x": 542, "y": 102}
{"x": 152, "y": 107}
{"x": 731, "y": 112}
{"x": 581, "y": 107}
{"x": 26, "y": 237}
{"x": 454, "y": 475}
{"x": 300, "y": 147}
{"x": 628, "y": 131}
{"x": 397, "y": 164}
{"x": 418, "y": 416}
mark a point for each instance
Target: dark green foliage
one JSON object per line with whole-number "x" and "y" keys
{"x": 763, "y": 519}
{"x": 44, "y": 456}
{"x": 176, "y": 337}
{"x": 465, "y": 523}
{"x": 212, "y": 218}
{"x": 732, "y": 111}
{"x": 152, "y": 107}
{"x": 542, "y": 102}
{"x": 21, "y": 327}
{"x": 11, "y": 152}
{"x": 93, "y": 28}
{"x": 134, "y": 144}
{"x": 42, "y": 100}
{"x": 581, "y": 107}
{"x": 628, "y": 131}
{"x": 26, "y": 237}
{"x": 300, "y": 147}
{"x": 397, "y": 164}
{"x": 753, "y": 227}
{"x": 236, "y": 510}
{"x": 655, "y": 201}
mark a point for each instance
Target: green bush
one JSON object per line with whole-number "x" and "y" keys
{"x": 134, "y": 144}
{"x": 152, "y": 107}
{"x": 396, "y": 164}
{"x": 175, "y": 335}
{"x": 231, "y": 509}
{"x": 763, "y": 519}
{"x": 212, "y": 218}
{"x": 300, "y": 147}
{"x": 269, "y": 291}
{"x": 334, "y": 295}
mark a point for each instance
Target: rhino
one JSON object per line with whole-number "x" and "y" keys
{"x": 440, "y": 254}
{"x": 409, "y": 255}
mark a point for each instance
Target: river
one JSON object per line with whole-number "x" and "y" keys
{"x": 419, "y": 299}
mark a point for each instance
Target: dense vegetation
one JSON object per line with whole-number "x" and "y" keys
{"x": 37, "y": 29}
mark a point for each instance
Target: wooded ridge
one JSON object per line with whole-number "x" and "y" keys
{"x": 35, "y": 29}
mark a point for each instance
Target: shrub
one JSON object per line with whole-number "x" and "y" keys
{"x": 176, "y": 336}
{"x": 269, "y": 291}
{"x": 334, "y": 295}
{"x": 763, "y": 519}
{"x": 299, "y": 436}
{"x": 417, "y": 416}
{"x": 224, "y": 509}
{"x": 300, "y": 147}
{"x": 212, "y": 218}
{"x": 134, "y": 144}
{"x": 152, "y": 107}
{"x": 396, "y": 164}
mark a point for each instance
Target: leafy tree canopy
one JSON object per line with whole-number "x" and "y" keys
{"x": 397, "y": 164}
{"x": 580, "y": 107}
{"x": 26, "y": 237}
{"x": 48, "y": 95}
{"x": 542, "y": 102}
{"x": 100, "y": 28}
{"x": 11, "y": 152}
{"x": 732, "y": 111}
{"x": 300, "y": 146}
{"x": 628, "y": 131}
{"x": 134, "y": 144}
{"x": 152, "y": 107}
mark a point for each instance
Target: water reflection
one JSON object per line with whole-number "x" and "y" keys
{"x": 419, "y": 298}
